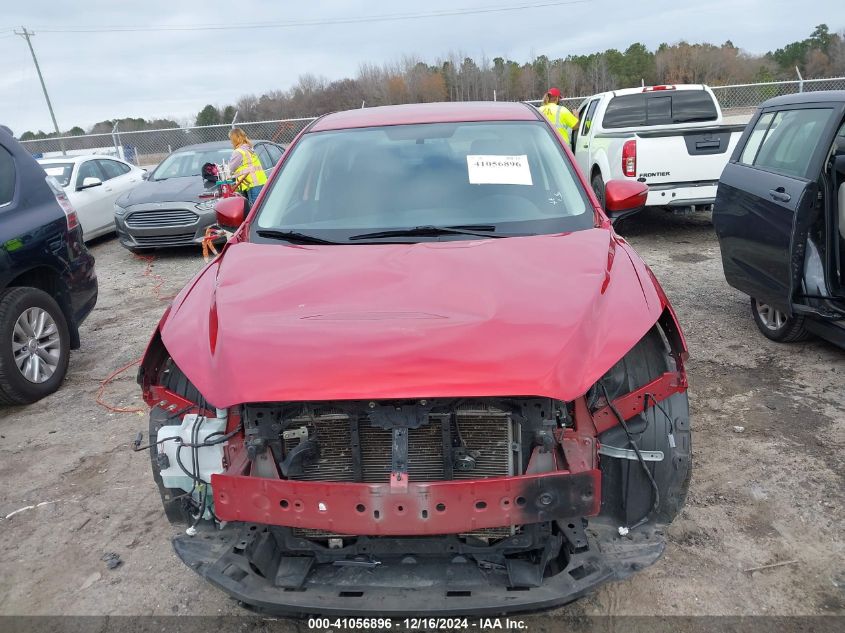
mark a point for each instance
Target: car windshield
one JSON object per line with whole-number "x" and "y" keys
{"x": 60, "y": 171}
{"x": 189, "y": 162}
{"x": 506, "y": 178}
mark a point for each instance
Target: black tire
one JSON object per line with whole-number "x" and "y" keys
{"x": 597, "y": 183}
{"x": 15, "y": 388}
{"x": 790, "y": 331}
{"x": 627, "y": 493}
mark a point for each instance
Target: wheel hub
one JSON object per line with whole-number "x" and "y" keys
{"x": 36, "y": 346}
{"x": 771, "y": 317}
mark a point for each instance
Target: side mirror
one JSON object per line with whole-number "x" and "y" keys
{"x": 839, "y": 164}
{"x": 231, "y": 211}
{"x": 624, "y": 197}
{"x": 145, "y": 175}
{"x": 89, "y": 182}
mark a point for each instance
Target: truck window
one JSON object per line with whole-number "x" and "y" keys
{"x": 587, "y": 119}
{"x": 791, "y": 140}
{"x": 7, "y": 177}
{"x": 660, "y": 108}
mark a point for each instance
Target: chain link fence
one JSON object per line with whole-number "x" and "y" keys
{"x": 739, "y": 101}
{"x": 147, "y": 148}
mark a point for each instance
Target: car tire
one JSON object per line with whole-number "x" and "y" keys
{"x": 597, "y": 183}
{"x": 775, "y": 325}
{"x": 17, "y": 307}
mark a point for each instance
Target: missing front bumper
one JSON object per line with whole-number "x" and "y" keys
{"x": 391, "y": 586}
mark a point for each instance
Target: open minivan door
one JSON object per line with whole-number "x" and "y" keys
{"x": 773, "y": 217}
{"x": 767, "y": 198}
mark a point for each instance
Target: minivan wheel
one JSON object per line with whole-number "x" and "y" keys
{"x": 34, "y": 345}
{"x": 776, "y": 325}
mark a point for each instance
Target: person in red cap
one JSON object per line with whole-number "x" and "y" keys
{"x": 559, "y": 116}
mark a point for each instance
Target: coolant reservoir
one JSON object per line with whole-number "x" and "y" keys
{"x": 210, "y": 457}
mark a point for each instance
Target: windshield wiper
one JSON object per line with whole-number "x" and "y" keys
{"x": 485, "y": 230}
{"x": 292, "y": 236}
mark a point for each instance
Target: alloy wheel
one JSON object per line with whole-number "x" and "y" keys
{"x": 772, "y": 318}
{"x": 36, "y": 346}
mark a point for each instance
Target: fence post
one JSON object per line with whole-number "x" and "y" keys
{"x": 235, "y": 118}
{"x": 114, "y": 139}
{"x": 800, "y": 80}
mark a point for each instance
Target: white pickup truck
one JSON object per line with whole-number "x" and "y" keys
{"x": 670, "y": 137}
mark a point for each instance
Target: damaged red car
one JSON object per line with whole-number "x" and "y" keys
{"x": 424, "y": 377}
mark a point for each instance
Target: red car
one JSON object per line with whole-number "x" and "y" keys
{"x": 424, "y": 377}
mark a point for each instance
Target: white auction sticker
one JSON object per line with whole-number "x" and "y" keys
{"x": 489, "y": 169}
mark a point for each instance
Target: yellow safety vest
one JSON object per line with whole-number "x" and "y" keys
{"x": 561, "y": 118}
{"x": 251, "y": 166}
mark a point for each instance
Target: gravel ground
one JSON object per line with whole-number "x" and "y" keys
{"x": 770, "y": 493}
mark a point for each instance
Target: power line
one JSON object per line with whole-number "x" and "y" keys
{"x": 27, "y": 35}
{"x": 321, "y": 22}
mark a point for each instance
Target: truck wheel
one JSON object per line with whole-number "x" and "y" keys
{"x": 34, "y": 345}
{"x": 598, "y": 187}
{"x": 775, "y": 325}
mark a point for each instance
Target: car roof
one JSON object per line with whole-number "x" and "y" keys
{"x": 454, "y": 112}
{"x": 76, "y": 159}
{"x": 214, "y": 145}
{"x": 821, "y": 96}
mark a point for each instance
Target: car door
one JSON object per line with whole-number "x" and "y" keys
{"x": 93, "y": 204}
{"x": 766, "y": 196}
{"x": 582, "y": 140}
{"x": 120, "y": 178}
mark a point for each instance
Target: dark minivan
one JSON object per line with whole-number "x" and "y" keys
{"x": 47, "y": 280}
{"x": 780, "y": 216}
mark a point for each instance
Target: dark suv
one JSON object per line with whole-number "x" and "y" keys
{"x": 780, "y": 216}
{"x": 47, "y": 280}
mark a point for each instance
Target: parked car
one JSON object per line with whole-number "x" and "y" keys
{"x": 92, "y": 184}
{"x": 173, "y": 207}
{"x": 47, "y": 280}
{"x": 670, "y": 137}
{"x": 397, "y": 377}
{"x": 780, "y": 216}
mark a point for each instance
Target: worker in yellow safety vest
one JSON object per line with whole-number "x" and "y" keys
{"x": 245, "y": 166}
{"x": 559, "y": 116}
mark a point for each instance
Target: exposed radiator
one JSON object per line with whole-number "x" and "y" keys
{"x": 488, "y": 433}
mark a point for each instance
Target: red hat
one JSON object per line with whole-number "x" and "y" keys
{"x": 554, "y": 92}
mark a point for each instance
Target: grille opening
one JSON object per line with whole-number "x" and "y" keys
{"x": 350, "y": 594}
{"x": 458, "y": 594}
{"x": 352, "y": 449}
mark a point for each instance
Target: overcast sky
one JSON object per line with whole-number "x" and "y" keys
{"x": 97, "y": 76}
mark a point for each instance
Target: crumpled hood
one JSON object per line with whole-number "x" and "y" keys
{"x": 532, "y": 316}
{"x": 186, "y": 189}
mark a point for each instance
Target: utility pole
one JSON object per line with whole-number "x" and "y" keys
{"x": 26, "y": 35}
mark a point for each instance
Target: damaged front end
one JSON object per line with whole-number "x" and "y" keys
{"x": 425, "y": 506}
